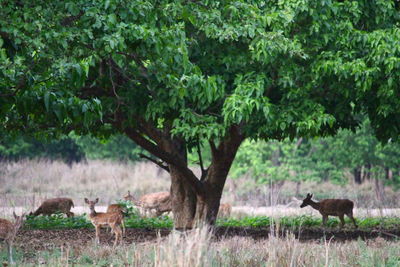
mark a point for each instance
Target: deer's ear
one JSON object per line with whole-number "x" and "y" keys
{"x": 15, "y": 215}
{"x": 97, "y": 200}
{"x": 311, "y": 195}
{"x": 86, "y": 201}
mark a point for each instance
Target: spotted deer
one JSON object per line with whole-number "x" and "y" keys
{"x": 98, "y": 219}
{"x": 53, "y": 205}
{"x": 8, "y": 231}
{"x": 331, "y": 207}
{"x": 159, "y": 201}
{"x": 117, "y": 208}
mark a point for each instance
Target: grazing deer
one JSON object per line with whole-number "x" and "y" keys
{"x": 99, "y": 219}
{"x": 8, "y": 231}
{"x": 332, "y": 207}
{"x": 225, "y": 210}
{"x": 159, "y": 201}
{"x": 117, "y": 208}
{"x": 53, "y": 205}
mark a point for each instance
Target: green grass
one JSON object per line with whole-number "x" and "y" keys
{"x": 134, "y": 221}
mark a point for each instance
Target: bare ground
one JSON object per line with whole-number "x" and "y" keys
{"x": 34, "y": 240}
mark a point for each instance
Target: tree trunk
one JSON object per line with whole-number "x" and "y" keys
{"x": 183, "y": 200}
{"x": 214, "y": 182}
{"x": 191, "y": 198}
{"x": 379, "y": 191}
{"x": 357, "y": 175}
{"x": 388, "y": 174}
{"x": 298, "y": 185}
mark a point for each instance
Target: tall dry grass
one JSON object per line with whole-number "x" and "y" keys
{"x": 27, "y": 183}
{"x": 198, "y": 248}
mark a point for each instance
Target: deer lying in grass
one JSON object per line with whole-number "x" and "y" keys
{"x": 8, "y": 231}
{"x": 225, "y": 210}
{"x": 53, "y": 205}
{"x": 117, "y": 208}
{"x": 98, "y": 219}
{"x": 331, "y": 207}
{"x": 160, "y": 202}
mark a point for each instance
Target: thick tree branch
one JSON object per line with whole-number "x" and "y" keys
{"x": 214, "y": 150}
{"x": 159, "y": 163}
{"x": 168, "y": 158}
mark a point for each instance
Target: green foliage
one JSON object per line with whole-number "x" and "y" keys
{"x": 281, "y": 69}
{"x": 329, "y": 158}
{"x": 56, "y": 221}
{"x": 133, "y": 220}
{"x": 296, "y": 222}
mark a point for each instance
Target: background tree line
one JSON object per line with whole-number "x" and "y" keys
{"x": 358, "y": 155}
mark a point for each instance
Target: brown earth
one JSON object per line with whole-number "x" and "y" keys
{"x": 33, "y": 240}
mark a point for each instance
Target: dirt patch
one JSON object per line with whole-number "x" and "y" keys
{"x": 50, "y": 239}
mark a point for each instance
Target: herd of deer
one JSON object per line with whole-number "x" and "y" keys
{"x": 160, "y": 202}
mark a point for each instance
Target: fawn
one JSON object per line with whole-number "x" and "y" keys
{"x": 53, "y": 205}
{"x": 117, "y": 208}
{"x": 159, "y": 201}
{"x": 332, "y": 207}
{"x": 8, "y": 231}
{"x": 99, "y": 219}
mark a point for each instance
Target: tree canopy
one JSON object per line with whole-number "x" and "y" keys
{"x": 173, "y": 74}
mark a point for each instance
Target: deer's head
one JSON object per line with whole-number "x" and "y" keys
{"x": 91, "y": 203}
{"x": 306, "y": 201}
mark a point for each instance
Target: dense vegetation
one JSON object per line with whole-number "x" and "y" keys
{"x": 289, "y": 222}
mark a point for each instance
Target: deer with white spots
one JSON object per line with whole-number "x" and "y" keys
{"x": 8, "y": 231}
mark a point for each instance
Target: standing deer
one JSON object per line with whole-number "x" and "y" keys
{"x": 159, "y": 201}
{"x": 117, "y": 208}
{"x": 53, "y": 205}
{"x": 331, "y": 207}
{"x": 8, "y": 231}
{"x": 99, "y": 219}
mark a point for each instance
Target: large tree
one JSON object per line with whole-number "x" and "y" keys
{"x": 175, "y": 76}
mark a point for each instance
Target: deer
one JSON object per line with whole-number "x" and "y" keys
{"x": 225, "y": 210}
{"x": 331, "y": 207}
{"x": 8, "y": 231}
{"x": 117, "y": 208}
{"x": 99, "y": 219}
{"x": 159, "y": 201}
{"x": 53, "y": 205}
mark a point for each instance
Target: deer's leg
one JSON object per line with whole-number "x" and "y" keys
{"x": 123, "y": 226}
{"x": 341, "y": 217}
{"x": 324, "y": 219}
{"x": 350, "y": 215}
{"x": 70, "y": 214}
{"x": 117, "y": 232}
{"x": 9, "y": 250}
{"x": 97, "y": 233}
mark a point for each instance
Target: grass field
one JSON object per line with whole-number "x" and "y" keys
{"x": 254, "y": 235}
{"x": 200, "y": 248}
